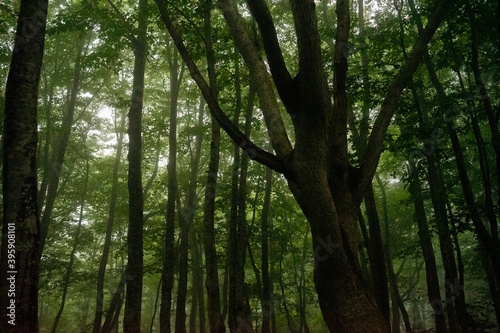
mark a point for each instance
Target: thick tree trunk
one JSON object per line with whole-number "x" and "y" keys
{"x": 21, "y": 221}
{"x": 109, "y": 229}
{"x": 344, "y": 297}
{"x": 133, "y": 300}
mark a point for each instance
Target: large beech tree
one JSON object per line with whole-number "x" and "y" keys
{"x": 20, "y": 187}
{"x": 328, "y": 188}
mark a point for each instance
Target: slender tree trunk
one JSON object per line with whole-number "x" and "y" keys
{"x": 267, "y": 301}
{"x": 198, "y": 295}
{"x": 433, "y": 289}
{"x": 48, "y": 103}
{"x": 194, "y": 305}
{"x": 272, "y": 275}
{"x": 423, "y": 228}
{"x": 396, "y": 296}
{"x": 21, "y": 222}
{"x": 494, "y": 292}
{"x": 60, "y": 150}
{"x": 453, "y": 282}
{"x": 189, "y": 213}
{"x": 133, "y": 301}
{"x": 215, "y": 320}
{"x": 377, "y": 257}
{"x": 115, "y": 306}
{"x": 158, "y": 290}
{"x": 493, "y": 117}
{"x": 169, "y": 256}
{"x": 242, "y": 314}
{"x": 291, "y": 325}
{"x": 109, "y": 229}
{"x": 180, "y": 313}
{"x": 438, "y": 196}
{"x": 233, "y": 215}
{"x": 186, "y": 216}
{"x": 483, "y": 160}
{"x": 212, "y": 280}
{"x": 76, "y": 241}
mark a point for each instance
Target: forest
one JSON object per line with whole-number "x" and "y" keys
{"x": 250, "y": 166}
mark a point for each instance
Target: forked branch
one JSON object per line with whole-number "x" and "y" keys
{"x": 248, "y": 147}
{"x": 282, "y": 78}
{"x": 389, "y": 106}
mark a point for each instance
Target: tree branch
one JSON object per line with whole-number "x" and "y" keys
{"x": 260, "y": 77}
{"x": 130, "y": 28}
{"x": 389, "y": 106}
{"x": 340, "y": 105}
{"x": 248, "y": 147}
{"x": 309, "y": 44}
{"x": 282, "y": 78}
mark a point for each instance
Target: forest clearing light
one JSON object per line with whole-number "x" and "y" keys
{"x": 107, "y": 114}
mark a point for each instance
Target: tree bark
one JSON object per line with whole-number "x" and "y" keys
{"x": 20, "y": 246}
{"x": 133, "y": 300}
